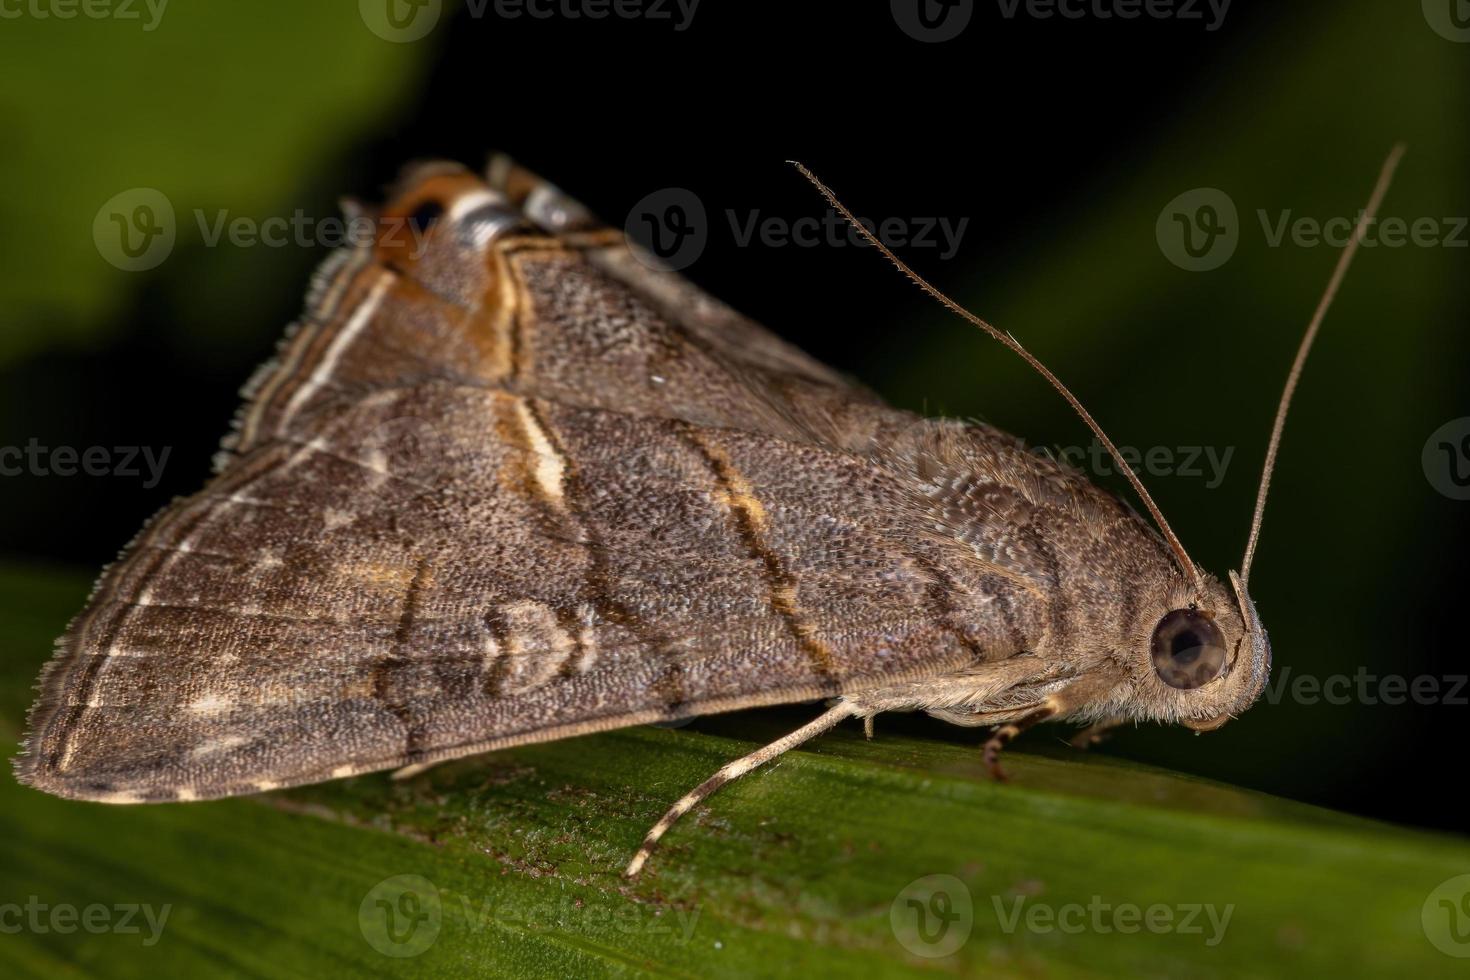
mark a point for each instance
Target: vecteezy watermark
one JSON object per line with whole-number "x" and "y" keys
{"x": 932, "y": 916}
{"x": 673, "y": 225}
{"x": 400, "y": 21}
{"x": 1391, "y": 232}
{"x": 670, "y": 223}
{"x": 1200, "y": 229}
{"x": 679, "y": 14}
{"x": 302, "y": 230}
{"x": 1446, "y": 459}
{"x": 400, "y": 445}
{"x": 1190, "y": 462}
{"x": 1445, "y": 916}
{"x": 676, "y": 923}
{"x": 403, "y": 21}
{"x": 932, "y": 21}
{"x": 1072, "y": 918}
{"x": 1201, "y": 462}
{"x": 1210, "y": 12}
{"x": 129, "y": 462}
{"x": 400, "y": 916}
{"x": 1450, "y": 19}
{"x": 832, "y": 230}
{"x": 403, "y": 915}
{"x": 137, "y": 229}
{"x": 1364, "y": 687}
{"x": 147, "y": 12}
{"x": 122, "y": 918}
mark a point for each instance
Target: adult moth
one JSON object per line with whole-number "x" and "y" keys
{"x": 507, "y": 482}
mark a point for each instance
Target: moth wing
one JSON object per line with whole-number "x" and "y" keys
{"x": 518, "y": 288}
{"x": 712, "y": 324}
{"x": 437, "y": 535}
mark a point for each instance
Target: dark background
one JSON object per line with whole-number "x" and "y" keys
{"x": 1060, "y": 140}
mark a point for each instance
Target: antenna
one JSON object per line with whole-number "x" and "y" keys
{"x": 1182, "y": 556}
{"x": 1344, "y": 259}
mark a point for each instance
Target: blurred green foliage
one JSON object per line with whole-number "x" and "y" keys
{"x": 220, "y": 106}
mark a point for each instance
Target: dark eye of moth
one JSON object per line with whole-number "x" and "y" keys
{"x": 1188, "y": 649}
{"x": 424, "y": 216}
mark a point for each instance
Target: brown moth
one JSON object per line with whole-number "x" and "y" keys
{"x": 508, "y": 482}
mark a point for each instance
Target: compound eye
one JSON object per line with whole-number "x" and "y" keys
{"x": 1188, "y": 649}
{"x": 425, "y": 215}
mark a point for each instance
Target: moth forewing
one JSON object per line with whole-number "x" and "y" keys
{"x": 621, "y": 503}
{"x": 509, "y": 482}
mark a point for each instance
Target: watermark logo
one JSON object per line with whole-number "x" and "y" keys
{"x": 1445, "y": 917}
{"x": 933, "y": 916}
{"x": 1202, "y": 919}
{"x": 147, "y": 12}
{"x": 400, "y": 21}
{"x": 302, "y": 230}
{"x": 1446, "y": 459}
{"x": 1366, "y": 688}
{"x": 135, "y": 230}
{"x": 1390, "y": 232}
{"x": 1450, "y": 19}
{"x": 398, "y": 445}
{"x": 400, "y": 916}
{"x": 932, "y": 21}
{"x": 1207, "y": 463}
{"x": 672, "y": 225}
{"x": 405, "y": 21}
{"x": 129, "y": 462}
{"x": 679, "y": 13}
{"x": 123, "y": 918}
{"x": 1210, "y": 12}
{"x": 1199, "y": 229}
{"x": 833, "y": 231}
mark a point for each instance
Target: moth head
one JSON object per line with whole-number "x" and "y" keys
{"x": 1208, "y": 658}
{"x": 440, "y": 217}
{"x": 442, "y": 214}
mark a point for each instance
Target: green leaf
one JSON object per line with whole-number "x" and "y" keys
{"x": 219, "y": 107}
{"x": 798, "y": 869}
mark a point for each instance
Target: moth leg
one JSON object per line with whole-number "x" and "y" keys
{"x": 1003, "y": 735}
{"x": 734, "y": 770}
{"x": 1093, "y": 734}
{"x": 412, "y": 770}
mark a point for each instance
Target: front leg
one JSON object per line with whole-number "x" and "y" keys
{"x": 1004, "y": 732}
{"x": 1095, "y": 733}
{"x": 1003, "y": 735}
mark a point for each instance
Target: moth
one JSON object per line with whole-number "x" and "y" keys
{"x": 508, "y": 480}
